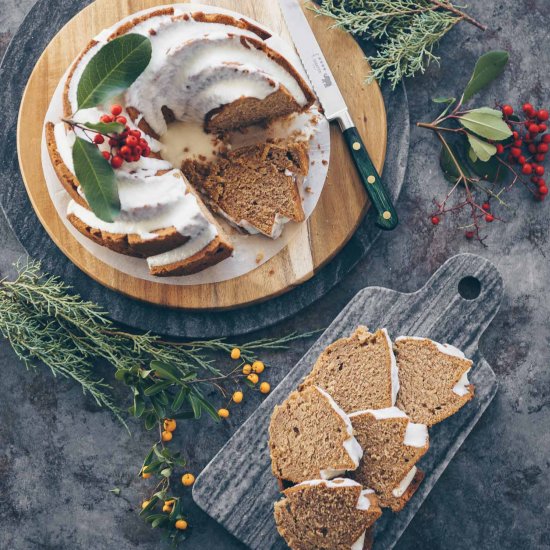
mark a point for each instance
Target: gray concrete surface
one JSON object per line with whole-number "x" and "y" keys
{"x": 59, "y": 455}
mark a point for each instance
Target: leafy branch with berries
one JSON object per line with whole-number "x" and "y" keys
{"x": 485, "y": 151}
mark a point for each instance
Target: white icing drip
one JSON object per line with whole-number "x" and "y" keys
{"x": 185, "y": 215}
{"x": 332, "y": 483}
{"x": 399, "y": 491}
{"x": 461, "y": 387}
{"x": 363, "y": 503}
{"x": 351, "y": 444}
{"x": 64, "y": 143}
{"x": 359, "y": 543}
{"x": 394, "y": 371}
{"x": 416, "y": 435}
{"x": 185, "y": 251}
{"x": 381, "y": 414}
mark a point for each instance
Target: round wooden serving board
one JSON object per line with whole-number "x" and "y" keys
{"x": 341, "y": 207}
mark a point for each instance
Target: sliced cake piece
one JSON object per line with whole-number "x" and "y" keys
{"x": 254, "y": 187}
{"x": 326, "y": 515}
{"x": 359, "y": 372}
{"x": 433, "y": 378}
{"x": 392, "y": 445}
{"x": 311, "y": 437}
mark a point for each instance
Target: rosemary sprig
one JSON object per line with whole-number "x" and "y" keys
{"x": 404, "y": 32}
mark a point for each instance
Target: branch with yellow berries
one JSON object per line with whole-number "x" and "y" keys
{"x": 163, "y": 509}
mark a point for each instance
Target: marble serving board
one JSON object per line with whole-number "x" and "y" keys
{"x": 455, "y": 306}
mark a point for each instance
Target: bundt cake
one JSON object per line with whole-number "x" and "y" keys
{"x": 216, "y": 74}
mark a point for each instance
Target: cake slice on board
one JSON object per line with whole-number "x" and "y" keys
{"x": 433, "y": 379}
{"x": 392, "y": 445}
{"x": 359, "y": 372}
{"x": 326, "y": 515}
{"x": 310, "y": 437}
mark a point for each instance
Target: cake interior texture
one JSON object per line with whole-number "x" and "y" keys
{"x": 326, "y": 516}
{"x": 307, "y": 437}
{"x": 430, "y": 380}
{"x": 387, "y": 459}
{"x": 254, "y": 185}
{"x": 356, "y": 371}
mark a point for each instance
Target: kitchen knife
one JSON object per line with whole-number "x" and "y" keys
{"x": 335, "y": 108}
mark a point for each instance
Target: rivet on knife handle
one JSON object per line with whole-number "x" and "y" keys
{"x": 378, "y": 194}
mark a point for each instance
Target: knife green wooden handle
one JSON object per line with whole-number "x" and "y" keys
{"x": 378, "y": 194}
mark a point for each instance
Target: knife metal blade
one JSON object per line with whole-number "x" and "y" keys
{"x": 315, "y": 64}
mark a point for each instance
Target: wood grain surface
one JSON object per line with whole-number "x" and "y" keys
{"x": 341, "y": 207}
{"x": 238, "y": 489}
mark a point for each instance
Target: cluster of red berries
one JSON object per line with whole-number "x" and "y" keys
{"x": 529, "y": 145}
{"x": 128, "y": 146}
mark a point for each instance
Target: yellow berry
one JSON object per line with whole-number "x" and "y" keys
{"x": 167, "y": 436}
{"x": 247, "y": 369}
{"x": 238, "y": 396}
{"x": 167, "y": 508}
{"x": 188, "y": 479}
{"x": 253, "y": 378}
{"x": 170, "y": 425}
{"x": 258, "y": 367}
{"x": 144, "y": 504}
{"x": 265, "y": 387}
{"x": 181, "y": 524}
{"x": 145, "y": 475}
{"x": 235, "y": 353}
{"x": 223, "y": 413}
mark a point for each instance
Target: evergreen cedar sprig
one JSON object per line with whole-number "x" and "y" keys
{"x": 45, "y": 322}
{"x": 404, "y": 32}
{"x": 480, "y": 148}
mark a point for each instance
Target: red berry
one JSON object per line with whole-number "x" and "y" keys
{"x": 542, "y": 147}
{"x": 116, "y": 161}
{"x": 125, "y": 150}
{"x": 533, "y": 129}
{"x": 106, "y": 155}
{"x": 546, "y": 138}
{"x": 113, "y": 142}
{"x": 500, "y": 148}
{"x": 515, "y": 152}
{"x": 527, "y": 108}
{"x": 527, "y": 169}
{"x": 116, "y": 110}
{"x": 528, "y": 137}
{"x": 106, "y": 119}
{"x": 131, "y": 141}
{"x": 539, "y": 170}
{"x": 532, "y": 148}
{"x": 540, "y": 157}
{"x": 541, "y": 182}
{"x": 435, "y": 220}
{"x": 99, "y": 139}
{"x": 507, "y": 110}
{"x": 135, "y": 133}
{"x": 135, "y": 158}
{"x": 486, "y": 206}
{"x": 146, "y": 152}
{"x": 543, "y": 190}
{"x": 534, "y": 179}
{"x": 542, "y": 114}
{"x": 489, "y": 218}
{"x": 522, "y": 160}
{"x": 518, "y": 143}
{"x": 121, "y": 119}
{"x": 138, "y": 150}
{"x": 469, "y": 234}
{"x": 515, "y": 135}
{"x": 542, "y": 128}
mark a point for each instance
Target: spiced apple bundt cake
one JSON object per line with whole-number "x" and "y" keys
{"x": 216, "y": 73}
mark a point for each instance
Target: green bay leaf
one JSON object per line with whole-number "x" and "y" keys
{"x": 98, "y": 180}
{"x": 483, "y": 150}
{"x": 487, "y": 123}
{"x": 105, "y": 127}
{"x": 488, "y": 67}
{"x": 448, "y": 165}
{"x": 113, "y": 69}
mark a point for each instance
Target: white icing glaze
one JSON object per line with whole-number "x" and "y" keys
{"x": 190, "y": 248}
{"x": 461, "y": 387}
{"x": 363, "y": 502}
{"x": 394, "y": 371}
{"x": 416, "y": 435}
{"x": 351, "y": 444}
{"x": 399, "y": 491}
{"x": 332, "y": 483}
{"x": 381, "y": 414}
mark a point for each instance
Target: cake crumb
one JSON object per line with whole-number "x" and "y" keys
{"x": 152, "y": 32}
{"x": 259, "y": 257}
{"x": 271, "y": 272}
{"x": 325, "y": 162}
{"x": 309, "y": 190}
